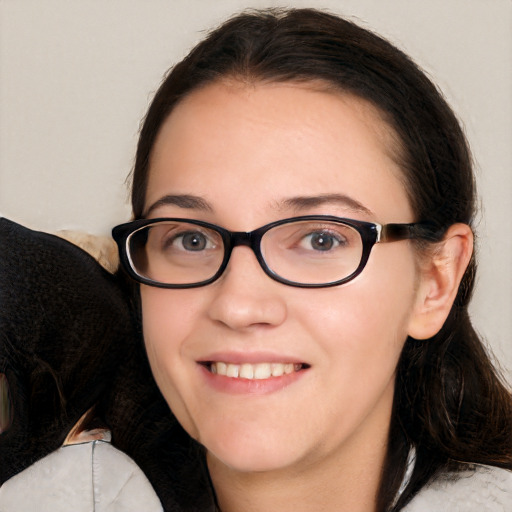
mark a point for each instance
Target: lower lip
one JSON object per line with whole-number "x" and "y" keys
{"x": 239, "y": 386}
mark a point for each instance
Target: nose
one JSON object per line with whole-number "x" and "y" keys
{"x": 244, "y": 296}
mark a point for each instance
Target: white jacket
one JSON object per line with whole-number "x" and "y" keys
{"x": 479, "y": 489}
{"x": 96, "y": 477}
{"x": 87, "y": 477}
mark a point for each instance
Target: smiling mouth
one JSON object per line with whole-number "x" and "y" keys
{"x": 257, "y": 371}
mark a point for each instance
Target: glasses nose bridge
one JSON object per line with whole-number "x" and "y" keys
{"x": 249, "y": 239}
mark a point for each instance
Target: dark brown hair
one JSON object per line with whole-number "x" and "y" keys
{"x": 450, "y": 405}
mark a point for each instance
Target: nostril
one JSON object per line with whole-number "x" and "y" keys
{"x": 5, "y": 404}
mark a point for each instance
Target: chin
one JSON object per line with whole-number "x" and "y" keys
{"x": 245, "y": 453}
{"x": 251, "y": 462}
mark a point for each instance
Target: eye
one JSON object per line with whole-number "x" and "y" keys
{"x": 193, "y": 241}
{"x": 189, "y": 241}
{"x": 322, "y": 241}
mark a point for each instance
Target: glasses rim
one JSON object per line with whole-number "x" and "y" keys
{"x": 370, "y": 232}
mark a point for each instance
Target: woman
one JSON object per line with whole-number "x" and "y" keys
{"x": 303, "y": 198}
{"x": 319, "y": 356}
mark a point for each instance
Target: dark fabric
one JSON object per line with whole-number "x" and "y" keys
{"x": 64, "y": 324}
{"x": 69, "y": 342}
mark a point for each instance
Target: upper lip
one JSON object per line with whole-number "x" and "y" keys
{"x": 249, "y": 358}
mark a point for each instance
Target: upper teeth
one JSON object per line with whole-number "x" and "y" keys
{"x": 254, "y": 371}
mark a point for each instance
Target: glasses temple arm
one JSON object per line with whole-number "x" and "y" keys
{"x": 418, "y": 230}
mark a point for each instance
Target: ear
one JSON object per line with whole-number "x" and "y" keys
{"x": 441, "y": 274}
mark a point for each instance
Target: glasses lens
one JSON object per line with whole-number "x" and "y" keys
{"x": 176, "y": 253}
{"x": 312, "y": 252}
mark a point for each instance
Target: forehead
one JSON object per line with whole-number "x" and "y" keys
{"x": 261, "y": 143}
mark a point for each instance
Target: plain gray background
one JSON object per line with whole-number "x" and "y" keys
{"x": 76, "y": 77}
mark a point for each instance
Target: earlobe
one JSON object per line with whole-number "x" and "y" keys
{"x": 441, "y": 274}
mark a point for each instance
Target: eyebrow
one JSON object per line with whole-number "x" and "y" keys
{"x": 299, "y": 203}
{"x": 185, "y": 201}
{"x": 307, "y": 202}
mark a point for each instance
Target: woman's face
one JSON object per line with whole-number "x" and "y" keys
{"x": 247, "y": 155}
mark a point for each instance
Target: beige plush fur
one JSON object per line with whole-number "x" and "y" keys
{"x": 102, "y": 248}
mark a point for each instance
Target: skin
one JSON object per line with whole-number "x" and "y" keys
{"x": 318, "y": 441}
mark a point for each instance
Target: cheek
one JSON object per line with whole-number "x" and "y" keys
{"x": 167, "y": 321}
{"x": 160, "y": 346}
{"x": 168, "y": 317}
{"x": 366, "y": 321}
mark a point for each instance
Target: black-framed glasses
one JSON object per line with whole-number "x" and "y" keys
{"x": 311, "y": 251}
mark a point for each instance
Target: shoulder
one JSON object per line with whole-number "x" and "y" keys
{"x": 80, "y": 477}
{"x": 477, "y": 489}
